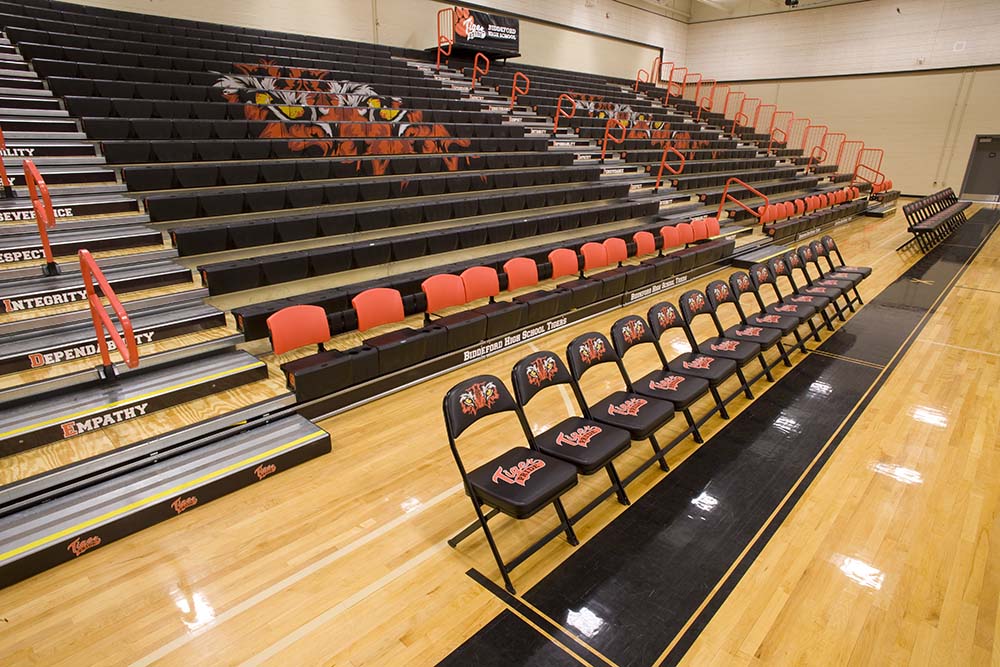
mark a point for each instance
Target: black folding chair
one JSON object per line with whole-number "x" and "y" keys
{"x": 794, "y": 262}
{"x": 641, "y": 417}
{"x": 740, "y": 283}
{"x": 681, "y": 390}
{"x": 832, "y": 249}
{"x": 583, "y": 442}
{"x": 832, "y": 273}
{"x": 693, "y": 303}
{"x": 818, "y": 303}
{"x": 719, "y": 293}
{"x": 519, "y": 483}
{"x": 663, "y": 317}
{"x": 844, "y": 285}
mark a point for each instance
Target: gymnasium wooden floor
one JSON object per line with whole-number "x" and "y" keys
{"x": 885, "y": 559}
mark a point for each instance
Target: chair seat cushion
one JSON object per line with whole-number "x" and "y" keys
{"x": 825, "y": 291}
{"x": 681, "y": 390}
{"x": 584, "y": 443}
{"x": 741, "y": 351}
{"x": 712, "y": 368}
{"x": 865, "y": 271}
{"x": 783, "y": 323}
{"x": 802, "y": 311}
{"x": 852, "y": 278}
{"x": 766, "y": 337}
{"x": 521, "y": 481}
{"x": 640, "y": 416}
{"x": 816, "y": 301}
{"x": 834, "y": 284}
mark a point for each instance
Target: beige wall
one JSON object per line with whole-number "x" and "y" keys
{"x": 412, "y": 24}
{"x": 849, "y": 39}
{"x": 926, "y": 122}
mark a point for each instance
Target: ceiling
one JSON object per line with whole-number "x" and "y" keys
{"x": 695, "y": 11}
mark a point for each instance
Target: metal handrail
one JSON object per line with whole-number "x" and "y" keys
{"x": 656, "y": 70}
{"x": 8, "y": 188}
{"x": 560, "y": 112}
{"x": 515, "y": 91}
{"x": 844, "y": 144}
{"x": 774, "y": 132}
{"x": 445, "y": 40}
{"x": 812, "y": 156}
{"x": 45, "y": 216}
{"x": 639, "y": 79}
{"x": 663, "y": 165}
{"x": 756, "y": 115}
{"x": 725, "y": 104}
{"x": 476, "y": 69}
{"x": 726, "y": 195}
{"x": 608, "y": 135}
{"x": 125, "y": 342}
{"x": 736, "y": 121}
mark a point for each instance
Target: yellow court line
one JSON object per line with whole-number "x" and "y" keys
{"x": 869, "y": 364}
{"x": 133, "y": 399}
{"x": 552, "y": 639}
{"x": 152, "y": 499}
{"x": 569, "y": 633}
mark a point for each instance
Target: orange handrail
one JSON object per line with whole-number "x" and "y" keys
{"x": 697, "y": 88}
{"x": 725, "y": 104}
{"x": 476, "y": 69}
{"x": 726, "y": 195}
{"x": 878, "y": 174}
{"x": 8, "y": 189}
{"x": 756, "y": 115}
{"x": 742, "y": 109}
{"x": 608, "y": 135}
{"x": 656, "y": 70}
{"x": 703, "y": 107}
{"x": 810, "y": 128}
{"x": 840, "y": 153}
{"x": 812, "y": 157}
{"x": 663, "y": 165}
{"x": 774, "y": 132}
{"x": 795, "y": 127}
{"x": 45, "y": 216}
{"x": 736, "y": 121}
{"x": 445, "y": 40}
{"x": 125, "y": 342}
{"x": 561, "y": 112}
{"x": 876, "y": 169}
{"x": 701, "y": 100}
{"x": 515, "y": 91}
{"x": 774, "y": 121}
{"x": 639, "y": 79}
{"x": 671, "y": 83}
{"x": 840, "y": 135}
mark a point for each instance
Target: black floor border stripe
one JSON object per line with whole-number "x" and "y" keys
{"x": 689, "y": 636}
{"x": 586, "y": 653}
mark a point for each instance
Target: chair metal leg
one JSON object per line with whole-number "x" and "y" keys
{"x": 493, "y": 547}
{"x": 564, "y": 519}
{"x": 695, "y": 433}
{"x": 718, "y": 401}
{"x": 784, "y": 354}
{"x": 767, "y": 369}
{"x": 616, "y": 483}
{"x": 656, "y": 448}
{"x": 815, "y": 330}
{"x": 746, "y": 385}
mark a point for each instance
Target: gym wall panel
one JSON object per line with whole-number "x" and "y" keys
{"x": 925, "y": 121}
{"x": 856, "y": 38}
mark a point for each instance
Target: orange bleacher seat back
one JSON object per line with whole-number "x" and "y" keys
{"x": 594, "y": 256}
{"x": 888, "y": 184}
{"x": 480, "y": 282}
{"x": 645, "y": 243}
{"x": 564, "y": 263}
{"x": 712, "y": 225}
{"x": 800, "y": 207}
{"x": 699, "y": 229}
{"x": 297, "y": 326}
{"x": 789, "y": 209}
{"x": 521, "y": 272}
{"x": 616, "y": 250}
{"x": 443, "y": 290}
{"x": 671, "y": 237}
{"x": 377, "y": 306}
{"x": 824, "y": 201}
{"x": 685, "y": 232}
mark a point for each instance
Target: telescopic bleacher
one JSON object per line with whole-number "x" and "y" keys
{"x": 221, "y": 175}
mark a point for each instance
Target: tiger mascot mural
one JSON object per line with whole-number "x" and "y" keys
{"x": 638, "y": 125}
{"x": 315, "y": 113}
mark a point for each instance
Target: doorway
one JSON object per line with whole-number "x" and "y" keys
{"x": 982, "y": 175}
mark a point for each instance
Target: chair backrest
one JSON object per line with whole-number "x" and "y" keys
{"x": 712, "y": 226}
{"x": 471, "y": 400}
{"x": 794, "y": 262}
{"x": 700, "y": 229}
{"x": 806, "y": 255}
{"x": 628, "y": 332}
{"x": 480, "y": 282}
{"x": 645, "y": 243}
{"x": 778, "y": 267}
{"x": 760, "y": 274}
{"x": 694, "y": 303}
{"x": 671, "y": 237}
{"x": 587, "y": 351}
{"x": 594, "y": 256}
{"x": 616, "y": 250}
{"x": 297, "y": 326}
{"x": 800, "y": 207}
{"x": 789, "y": 209}
{"x": 536, "y": 372}
{"x": 718, "y": 292}
{"x": 521, "y": 272}
{"x": 662, "y": 317}
{"x": 740, "y": 283}
{"x": 685, "y": 232}
{"x": 443, "y": 290}
{"x": 564, "y": 262}
{"x": 377, "y": 306}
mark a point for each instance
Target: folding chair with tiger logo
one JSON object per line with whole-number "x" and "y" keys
{"x": 519, "y": 483}
{"x": 740, "y": 283}
{"x": 693, "y": 304}
{"x": 719, "y": 292}
{"x": 831, "y": 289}
{"x": 641, "y": 416}
{"x": 663, "y": 317}
{"x": 760, "y": 275}
{"x": 585, "y": 443}
{"x": 680, "y": 389}
{"x": 779, "y": 269}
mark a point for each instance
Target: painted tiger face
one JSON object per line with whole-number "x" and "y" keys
{"x": 541, "y": 370}
{"x": 696, "y": 302}
{"x": 666, "y": 316}
{"x": 633, "y": 330}
{"x": 592, "y": 350}
{"x": 479, "y": 396}
{"x": 720, "y": 292}
{"x": 743, "y": 282}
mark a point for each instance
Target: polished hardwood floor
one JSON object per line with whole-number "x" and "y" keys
{"x": 343, "y": 561}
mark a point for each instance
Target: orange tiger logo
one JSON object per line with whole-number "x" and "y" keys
{"x": 479, "y": 396}
{"x": 541, "y": 370}
{"x": 592, "y": 350}
{"x": 633, "y": 330}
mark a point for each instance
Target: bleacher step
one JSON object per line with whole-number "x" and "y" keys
{"x": 37, "y": 293}
{"x": 19, "y": 248}
{"x": 23, "y": 91}
{"x": 24, "y": 426}
{"x": 42, "y": 536}
{"x": 11, "y": 102}
{"x": 76, "y": 340}
{"x": 68, "y": 206}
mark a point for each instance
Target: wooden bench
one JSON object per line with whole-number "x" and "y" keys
{"x": 933, "y": 218}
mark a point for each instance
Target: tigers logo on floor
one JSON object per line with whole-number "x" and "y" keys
{"x": 480, "y": 396}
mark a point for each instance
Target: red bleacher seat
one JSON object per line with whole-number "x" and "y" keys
{"x": 297, "y": 326}
{"x": 377, "y": 306}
